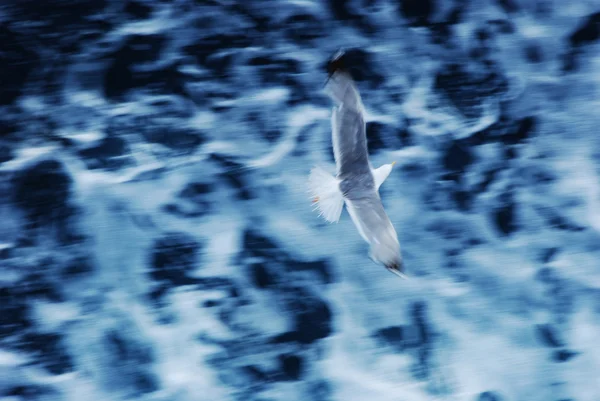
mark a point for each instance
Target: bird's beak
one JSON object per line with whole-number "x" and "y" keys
{"x": 393, "y": 163}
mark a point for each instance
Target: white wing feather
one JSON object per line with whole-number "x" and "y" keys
{"x": 325, "y": 190}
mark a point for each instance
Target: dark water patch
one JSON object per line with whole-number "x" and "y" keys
{"x": 137, "y": 9}
{"x": 6, "y": 153}
{"x": 393, "y": 336}
{"x": 274, "y": 70}
{"x": 38, "y": 285}
{"x": 43, "y": 190}
{"x": 235, "y": 175}
{"x": 259, "y": 245}
{"x": 218, "y": 283}
{"x": 376, "y": 135}
{"x": 194, "y": 201}
{"x": 29, "y": 392}
{"x": 456, "y": 159}
{"x": 237, "y": 181}
{"x": 456, "y": 14}
{"x": 467, "y": 91}
{"x": 489, "y": 396}
{"x": 533, "y": 53}
{"x": 263, "y": 127}
{"x": 521, "y": 132}
{"x": 405, "y": 137}
{"x": 168, "y": 80}
{"x": 195, "y": 190}
{"x": 299, "y": 92}
{"x": 312, "y": 319}
{"x": 494, "y": 132}
{"x": 502, "y": 25}
{"x": 418, "y": 337}
{"x": 417, "y": 12}
{"x": 14, "y": 312}
{"x": 255, "y": 374}
{"x": 322, "y": 268}
{"x": 321, "y": 390}
{"x": 123, "y": 73}
{"x": 292, "y": 366}
{"x": 346, "y": 12}
{"x": 504, "y": 216}
{"x": 110, "y": 154}
{"x": 442, "y": 33}
{"x": 49, "y": 350}
{"x": 587, "y": 32}
{"x": 509, "y": 6}
{"x": 303, "y": 28}
{"x": 463, "y": 199}
{"x": 180, "y": 140}
{"x": 342, "y": 10}
{"x": 124, "y": 349}
{"x": 17, "y": 63}
{"x": 547, "y": 256}
{"x": 9, "y": 126}
{"x": 421, "y": 369}
{"x": 261, "y": 276}
{"x": 63, "y": 27}
{"x": 548, "y": 336}
{"x": 173, "y": 257}
{"x": 7, "y": 251}
{"x": 555, "y": 220}
{"x": 211, "y": 303}
{"x": 77, "y": 267}
{"x": 182, "y": 212}
{"x": 58, "y": 15}
{"x": 220, "y": 64}
{"x": 259, "y": 16}
{"x": 564, "y": 300}
{"x": 418, "y": 313}
{"x": 129, "y": 360}
{"x": 213, "y": 52}
{"x": 564, "y": 355}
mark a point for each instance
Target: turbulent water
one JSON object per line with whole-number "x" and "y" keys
{"x": 157, "y": 241}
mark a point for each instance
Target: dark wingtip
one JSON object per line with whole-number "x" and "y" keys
{"x": 397, "y": 268}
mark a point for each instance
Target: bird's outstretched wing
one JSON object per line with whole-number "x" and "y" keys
{"x": 348, "y": 125}
{"x": 375, "y": 227}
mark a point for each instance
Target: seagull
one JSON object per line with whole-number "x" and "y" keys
{"x": 356, "y": 183}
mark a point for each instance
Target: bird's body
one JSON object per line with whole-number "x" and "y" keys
{"x": 356, "y": 183}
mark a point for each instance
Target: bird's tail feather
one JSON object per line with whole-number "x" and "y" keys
{"x": 326, "y": 194}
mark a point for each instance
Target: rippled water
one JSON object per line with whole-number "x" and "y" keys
{"x": 157, "y": 241}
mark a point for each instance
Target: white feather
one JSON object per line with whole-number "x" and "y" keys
{"x": 380, "y": 174}
{"x": 326, "y": 193}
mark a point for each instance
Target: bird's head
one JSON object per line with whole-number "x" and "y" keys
{"x": 382, "y": 173}
{"x": 337, "y": 63}
{"x": 389, "y": 168}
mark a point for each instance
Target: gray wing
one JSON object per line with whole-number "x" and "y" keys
{"x": 374, "y": 226}
{"x": 348, "y": 126}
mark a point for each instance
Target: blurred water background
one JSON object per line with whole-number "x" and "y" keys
{"x": 157, "y": 241}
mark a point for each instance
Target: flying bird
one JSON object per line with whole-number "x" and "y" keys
{"x": 356, "y": 182}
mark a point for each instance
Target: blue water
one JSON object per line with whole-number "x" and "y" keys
{"x": 157, "y": 240}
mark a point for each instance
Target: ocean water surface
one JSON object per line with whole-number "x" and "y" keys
{"x": 157, "y": 241}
